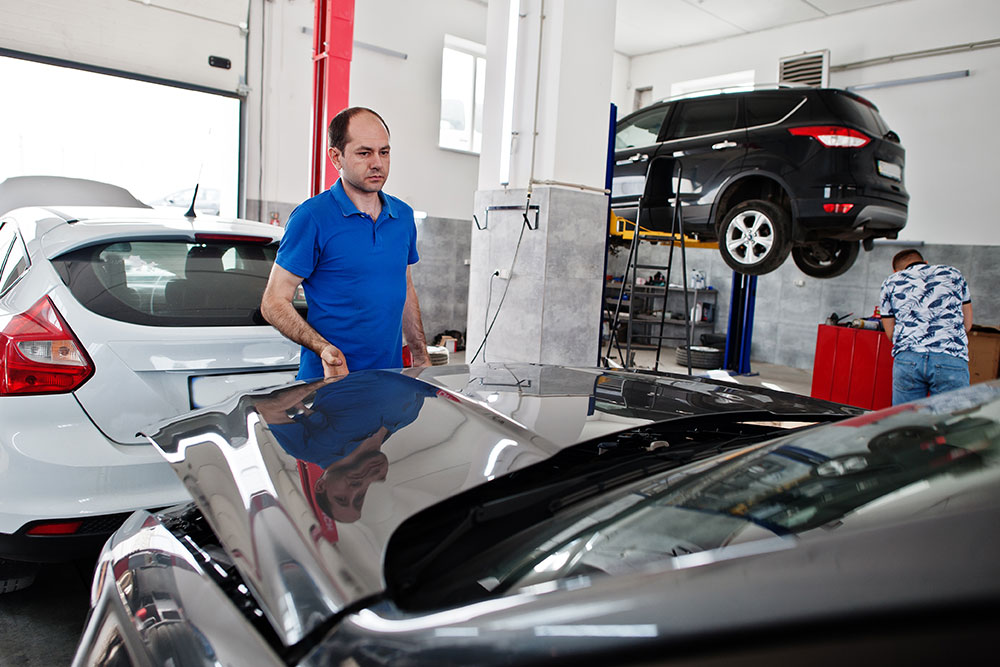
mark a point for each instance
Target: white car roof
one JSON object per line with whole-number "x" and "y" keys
{"x": 60, "y": 229}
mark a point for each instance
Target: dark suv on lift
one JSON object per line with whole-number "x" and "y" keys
{"x": 811, "y": 171}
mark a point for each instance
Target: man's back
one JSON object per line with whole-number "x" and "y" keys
{"x": 926, "y": 302}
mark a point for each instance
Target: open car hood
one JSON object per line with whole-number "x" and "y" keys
{"x": 305, "y": 485}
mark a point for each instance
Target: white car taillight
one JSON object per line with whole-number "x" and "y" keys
{"x": 832, "y": 136}
{"x": 40, "y": 355}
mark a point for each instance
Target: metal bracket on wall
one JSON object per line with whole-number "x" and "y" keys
{"x": 532, "y": 224}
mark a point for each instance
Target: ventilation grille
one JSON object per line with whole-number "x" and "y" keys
{"x": 812, "y": 69}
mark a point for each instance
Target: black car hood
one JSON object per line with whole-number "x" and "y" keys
{"x": 305, "y": 485}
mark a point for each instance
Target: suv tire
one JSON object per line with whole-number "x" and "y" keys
{"x": 755, "y": 237}
{"x": 827, "y": 258}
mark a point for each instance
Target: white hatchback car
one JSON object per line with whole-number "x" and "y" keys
{"x": 113, "y": 318}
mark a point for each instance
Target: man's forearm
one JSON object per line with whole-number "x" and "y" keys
{"x": 888, "y": 323}
{"x": 283, "y": 317}
{"x": 413, "y": 327}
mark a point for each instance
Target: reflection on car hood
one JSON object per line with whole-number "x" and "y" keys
{"x": 305, "y": 485}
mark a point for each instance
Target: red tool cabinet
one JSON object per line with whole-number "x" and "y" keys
{"x": 853, "y": 366}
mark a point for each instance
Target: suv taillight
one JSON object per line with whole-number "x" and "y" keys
{"x": 832, "y": 136}
{"x": 40, "y": 355}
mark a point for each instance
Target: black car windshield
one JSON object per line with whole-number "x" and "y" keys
{"x": 815, "y": 479}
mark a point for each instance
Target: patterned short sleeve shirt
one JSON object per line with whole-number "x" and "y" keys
{"x": 926, "y": 302}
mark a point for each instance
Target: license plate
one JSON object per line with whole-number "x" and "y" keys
{"x": 211, "y": 389}
{"x": 890, "y": 170}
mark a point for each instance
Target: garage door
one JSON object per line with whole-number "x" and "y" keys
{"x": 168, "y": 39}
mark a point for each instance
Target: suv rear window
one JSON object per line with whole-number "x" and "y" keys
{"x": 766, "y": 108}
{"x": 171, "y": 283}
{"x": 858, "y": 112}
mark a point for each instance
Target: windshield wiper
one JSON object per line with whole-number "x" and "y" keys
{"x": 616, "y": 460}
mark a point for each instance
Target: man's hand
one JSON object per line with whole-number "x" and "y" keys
{"x": 334, "y": 363}
{"x": 421, "y": 359}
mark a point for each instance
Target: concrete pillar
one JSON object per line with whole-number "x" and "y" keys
{"x": 557, "y": 135}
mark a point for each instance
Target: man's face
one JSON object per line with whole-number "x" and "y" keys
{"x": 364, "y": 162}
{"x": 346, "y": 482}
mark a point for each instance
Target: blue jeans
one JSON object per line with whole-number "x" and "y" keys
{"x": 916, "y": 374}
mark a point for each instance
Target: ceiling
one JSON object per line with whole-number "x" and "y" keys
{"x": 644, "y": 26}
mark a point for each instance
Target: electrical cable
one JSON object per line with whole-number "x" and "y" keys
{"x": 486, "y": 315}
{"x": 486, "y": 335}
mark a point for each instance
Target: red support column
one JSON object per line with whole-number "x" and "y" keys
{"x": 333, "y": 41}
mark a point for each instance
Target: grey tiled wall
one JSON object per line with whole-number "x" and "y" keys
{"x": 442, "y": 274}
{"x": 790, "y": 305}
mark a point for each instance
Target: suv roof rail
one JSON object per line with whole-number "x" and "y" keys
{"x": 734, "y": 89}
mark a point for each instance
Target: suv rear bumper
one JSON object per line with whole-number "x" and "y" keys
{"x": 870, "y": 218}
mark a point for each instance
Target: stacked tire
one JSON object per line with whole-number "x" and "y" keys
{"x": 702, "y": 356}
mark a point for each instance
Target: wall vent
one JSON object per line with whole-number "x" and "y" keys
{"x": 812, "y": 69}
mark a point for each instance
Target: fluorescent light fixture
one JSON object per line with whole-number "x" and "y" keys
{"x": 419, "y": 215}
{"x": 958, "y": 74}
{"x": 507, "y": 130}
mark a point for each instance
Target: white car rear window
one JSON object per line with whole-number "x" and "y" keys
{"x": 171, "y": 283}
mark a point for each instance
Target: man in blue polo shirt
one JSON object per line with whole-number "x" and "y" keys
{"x": 927, "y": 313}
{"x": 350, "y": 248}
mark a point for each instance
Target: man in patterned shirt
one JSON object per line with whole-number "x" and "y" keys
{"x": 927, "y": 313}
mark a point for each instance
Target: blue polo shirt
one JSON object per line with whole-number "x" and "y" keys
{"x": 354, "y": 276}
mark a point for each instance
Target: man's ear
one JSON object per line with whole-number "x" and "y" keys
{"x": 335, "y": 156}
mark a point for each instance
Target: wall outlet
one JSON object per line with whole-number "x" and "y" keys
{"x": 503, "y": 274}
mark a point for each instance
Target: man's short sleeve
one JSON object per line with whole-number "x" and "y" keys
{"x": 413, "y": 257}
{"x": 965, "y": 294}
{"x": 298, "y": 252}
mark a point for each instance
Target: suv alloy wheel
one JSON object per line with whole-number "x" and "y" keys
{"x": 755, "y": 237}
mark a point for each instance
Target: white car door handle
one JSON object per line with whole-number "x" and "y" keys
{"x": 723, "y": 144}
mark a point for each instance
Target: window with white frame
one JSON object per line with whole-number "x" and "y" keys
{"x": 463, "y": 86}
{"x": 155, "y": 140}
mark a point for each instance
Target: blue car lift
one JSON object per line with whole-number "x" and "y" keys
{"x": 739, "y": 332}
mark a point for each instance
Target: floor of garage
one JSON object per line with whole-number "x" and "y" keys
{"x": 41, "y": 625}
{"x": 772, "y": 376}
